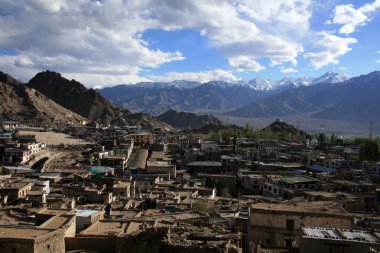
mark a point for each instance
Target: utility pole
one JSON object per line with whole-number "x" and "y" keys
{"x": 371, "y": 129}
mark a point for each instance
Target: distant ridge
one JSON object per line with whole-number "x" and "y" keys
{"x": 211, "y": 97}
{"x": 186, "y": 120}
{"x": 356, "y": 99}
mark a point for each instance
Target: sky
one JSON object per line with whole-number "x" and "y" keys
{"x": 103, "y": 43}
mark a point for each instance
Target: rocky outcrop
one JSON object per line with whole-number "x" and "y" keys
{"x": 77, "y": 98}
{"x": 280, "y": 127}
{"x": 19, "y": 102}
{"x": 186, "y": 120}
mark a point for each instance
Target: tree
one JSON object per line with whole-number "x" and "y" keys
{"x": 306, "y": 160}
{"x": 370, "y": 150}
{"x": 91, "y": 159}
{"x": 234, "y": 143}
{"x": 225, "y": 192}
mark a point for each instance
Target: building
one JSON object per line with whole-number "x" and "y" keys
{"x": 87, "y": 217}
{"x": 320, "y": 239}
{"x": 14, "y": 191}
{"x": 17, "y": 239}
{"x": 279, "y": 225}
{"x": 122, "y": 189}
{"x": 164, "y": 167}
{"x": 289, "y": 186}
{"x": 204, "y": 167}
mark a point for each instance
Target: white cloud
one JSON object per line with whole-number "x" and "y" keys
{"x": 287, "y": 70}
{"x": 99, "y": 80}
{"x": 245, "y": 64}
{"x": 334, "y": 47}
{"x": 13, "y": 65}
{"x": 378, "y": 61}
{"x": 84, "y": 37}
{"x": 203, "y": 77}
{"x": 274, "y": 14}
{"x": 350, "y": 18}
{"x": 105, "y": 37}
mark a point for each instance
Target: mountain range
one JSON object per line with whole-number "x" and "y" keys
{"x": 356, "y": 99}
{"x": 213, "y": 97}
{"x": 51, "y": 98}
{"x": 330, "y": 96}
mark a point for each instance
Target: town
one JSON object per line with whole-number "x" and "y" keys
{"x": 103, "y": 188}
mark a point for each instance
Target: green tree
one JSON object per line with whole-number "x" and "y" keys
{"x": 225, "y": 192}
{"x": 91, "y": 158}
{"x": 234, "y": 143}
{"x": 370, "y": 150}
{"x": 306, "y": 160}
{"x": 333, "y": 138}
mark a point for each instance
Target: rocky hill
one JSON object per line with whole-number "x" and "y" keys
{"x": 281, "y": 127}
{"x": 186, "y": 120}
{"x": 87, "y": 102}
{"x": 77, "y": 98}
{"x": 19, "y": 102}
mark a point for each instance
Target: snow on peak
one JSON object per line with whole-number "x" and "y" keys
{"x": 179, "y": 84}
{"x": 330, "y": 77}
{"x": 255, "y": 84}
{"x": 261, "y": 84}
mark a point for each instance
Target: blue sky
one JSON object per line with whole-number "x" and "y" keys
{"x": 102, "y": 43}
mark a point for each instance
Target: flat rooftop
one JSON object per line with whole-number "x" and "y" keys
{"x": 298, "y": 180}
{"x": 205, "y": 164}
{"x": 317, "y": 207}
{"x": 341, "y": 234}
{"x": 106, "y": 228}
{"x": 86, "y": 212}
{"x": 19, "y": 232}
{"x": 56, "y": 222}
{"x": 55, "y": 212}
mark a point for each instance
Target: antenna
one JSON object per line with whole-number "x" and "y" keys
{"x": 322, "y": 129}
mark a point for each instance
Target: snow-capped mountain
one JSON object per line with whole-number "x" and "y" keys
{"x": 262, "y": 84}
{"x": 257, "y": 83}
{"x": 219, "y": 96}
{"x": 330, "y": 77}
{"x": 179, "y": 84}
{"x": 355, "y": 99}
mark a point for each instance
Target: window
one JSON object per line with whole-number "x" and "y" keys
{"x": 288, "y": 243}
{"x": 290, "y": 224}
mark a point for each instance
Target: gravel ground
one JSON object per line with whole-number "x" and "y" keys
{"x": 52, "y": 138}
